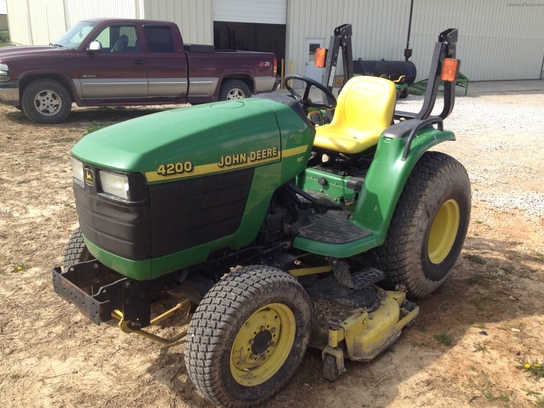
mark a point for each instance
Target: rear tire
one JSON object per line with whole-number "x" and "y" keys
{"x": 234, "y": 89}
{"x": 76, "y": 250}
{"x": 46, "y": 101}
{"x": 429, "y": 226}
{"x": 248, "y": 336}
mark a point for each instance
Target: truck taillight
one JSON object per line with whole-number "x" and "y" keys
{"x": 275, "y": 70}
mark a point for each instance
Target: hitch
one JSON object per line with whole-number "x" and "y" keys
{"x": 126, "y": 326}
{"x": 102, "y": 294}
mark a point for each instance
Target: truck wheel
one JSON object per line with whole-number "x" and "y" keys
{"x": 46, "y": 101}
{"x": 234, "y": 89}
{"x": 76, "y": 251}
{"x": 248, "y": 336}
{"x": 429, "y": 226}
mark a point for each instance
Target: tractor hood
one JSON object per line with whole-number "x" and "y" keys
{"x": 199, "y": 140}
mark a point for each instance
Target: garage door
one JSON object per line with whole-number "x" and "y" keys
{"x": 251, "y": 11}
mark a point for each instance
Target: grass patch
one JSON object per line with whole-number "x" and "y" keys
{"x": 476, "y": 259}
{"x": 19, "y": 268}
{"x": 480, "y": 348}
{"x": 479, "y": 279}
{"x": 95, "y": 127}
{"x": 535, "y": 369}
{"x": 514, "y": 257}
{"x": 444, "y": 339}
{"x": 420, "y": 326}
{"x": 491, "y": 397}
{"x": 65, "y": 140}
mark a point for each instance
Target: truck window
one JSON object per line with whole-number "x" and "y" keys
{"x": 119, "y": 39}
{"x": 159, "y": 39}
{"x": 76, "y": 35}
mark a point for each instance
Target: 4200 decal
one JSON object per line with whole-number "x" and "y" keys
{"x": 171, "y": 169}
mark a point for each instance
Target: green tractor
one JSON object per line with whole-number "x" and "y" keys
{"x": 276, "y": 234}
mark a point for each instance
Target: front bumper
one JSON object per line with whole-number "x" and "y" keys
{"x": 9, "y": 93}
{"x": 98, "y": 291}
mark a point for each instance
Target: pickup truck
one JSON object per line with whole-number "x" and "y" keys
{"x": 123, "y": 62}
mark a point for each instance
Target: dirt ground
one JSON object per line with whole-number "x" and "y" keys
{"x": 467, "y": 348}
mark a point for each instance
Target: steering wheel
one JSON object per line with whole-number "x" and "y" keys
{"x": 305, "y": 100}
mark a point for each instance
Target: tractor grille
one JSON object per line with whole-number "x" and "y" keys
{"x": 172, "y": 217}
{"x": 192, "y": 212}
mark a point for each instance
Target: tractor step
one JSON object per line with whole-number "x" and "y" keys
{"x": 366, "y": 277}
{"x": 332, "y": 227}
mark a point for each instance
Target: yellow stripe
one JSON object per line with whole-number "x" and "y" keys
{"x": 294, "y": 151}
{"x": 204, "y": 169}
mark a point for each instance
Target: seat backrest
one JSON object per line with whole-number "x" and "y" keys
{"x": 366, "y": 104}
{"x": 121, "y": 44}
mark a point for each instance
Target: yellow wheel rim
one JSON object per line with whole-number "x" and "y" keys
{"x": 443, "y": 231}
{"x": 262, "y": 344}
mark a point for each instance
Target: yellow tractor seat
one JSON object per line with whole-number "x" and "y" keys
{"x": 365, "y": 108}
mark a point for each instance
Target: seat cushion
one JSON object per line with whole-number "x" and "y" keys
{"x": 365, "y": 108}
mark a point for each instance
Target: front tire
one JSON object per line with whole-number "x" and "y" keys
{"x": 46, "y": 101}
{"x": 429, "y": 226}
{"x": 76, "y": 250}
{"x": 248, "y": 336}
{"x": 234, "y": 89}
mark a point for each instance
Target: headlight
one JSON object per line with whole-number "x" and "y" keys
{"x": 115, "y": 184}
{"x": 77, "y": 169}
{"x": 4, "y": 73}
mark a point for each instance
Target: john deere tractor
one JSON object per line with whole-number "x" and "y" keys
{"x": 275, "y": 233}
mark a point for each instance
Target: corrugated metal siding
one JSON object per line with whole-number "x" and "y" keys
{"x": 250, "y": 11}
{"x": 194, "y": 17}
{"x": 499, "y": 39}
{"x": 379, "y": 27}
{"x": 35, "y": 21}
{"x": 77, "y": 10}
{"x": 19, "y": 27}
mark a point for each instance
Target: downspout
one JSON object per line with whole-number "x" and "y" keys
{"x": 67, "y": 21}
{"x": 30, "y": 40}
{"x": 408, "y": 50}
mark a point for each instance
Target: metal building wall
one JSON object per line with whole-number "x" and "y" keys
{"x": 194, "y": 17}
{"x": 35, "y": 21}
{"x": 379, "y": 27}
{"x": 28, "y": 25}
{"x": 499, "y": 39}
{"x": 77, "y": 10}
{"x": 250, "y": 11}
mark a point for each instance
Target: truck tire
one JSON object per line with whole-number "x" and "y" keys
{"x": 234, "y": 89}
{"x": 429, "y": 226}
{"x": 248, "y": 336}
{"x": 76, "y": 251}
{"x": 46, "y": 101}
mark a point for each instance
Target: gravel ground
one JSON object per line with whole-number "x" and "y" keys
{"x": 468, "y": 347}
{"x": 498, "y": 165}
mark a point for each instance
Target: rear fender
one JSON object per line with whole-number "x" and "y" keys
{"x": 388, "y": 174}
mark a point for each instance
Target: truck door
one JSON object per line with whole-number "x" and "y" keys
{"x": 118, "y": 70}
{"x": 166, "y": 65}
